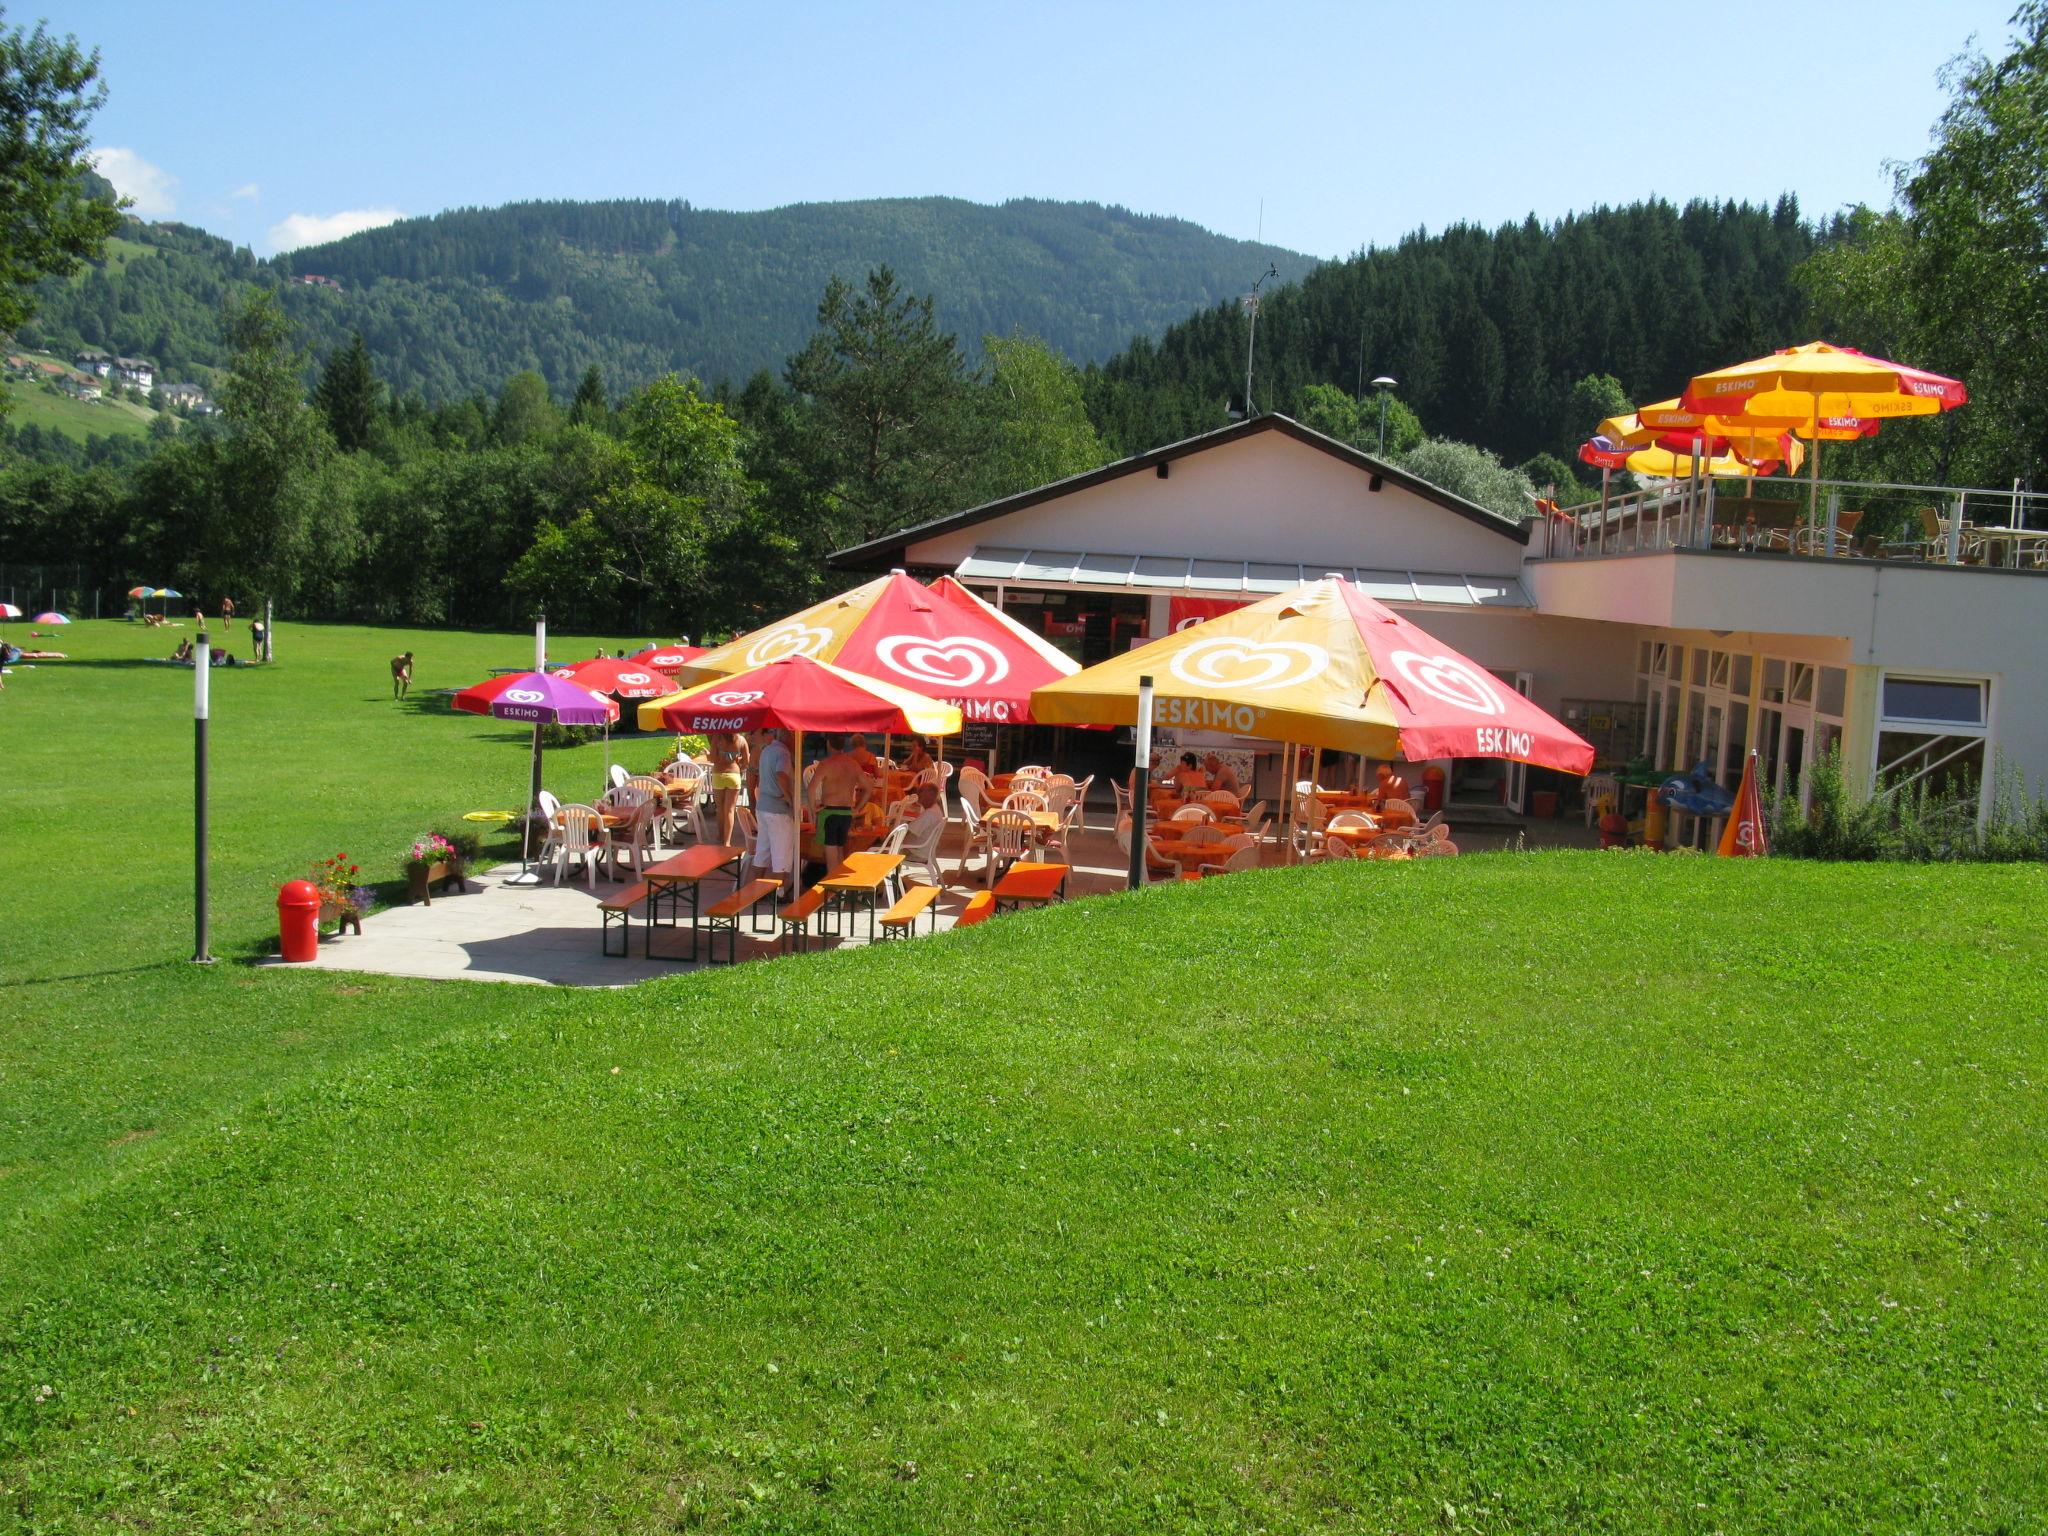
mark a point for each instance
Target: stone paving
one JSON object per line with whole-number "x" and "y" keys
{"x": 549, "y": 933}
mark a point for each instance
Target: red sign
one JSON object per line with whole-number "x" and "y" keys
{"x": 1186, "y": 612}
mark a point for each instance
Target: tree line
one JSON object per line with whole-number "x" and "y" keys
{"x": 669, "y": 510}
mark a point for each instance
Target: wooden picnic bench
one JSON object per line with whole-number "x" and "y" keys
{"x": 724, "y": 916}
{"x": 796, "y": 918}
{"x": 900, "y": 921}
{"x": 980, "y": 908}
{"x": 1027, "y": 881}
{"x": 619, "y": 909}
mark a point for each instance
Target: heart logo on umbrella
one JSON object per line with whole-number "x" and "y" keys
{"x": 667, "y": 659}
{"x": 1451, "y": 681}
{"x": 1256, "y": 666}
{"x": 524, "y": 696}
{"x": 729, "y": 700}
{"x": 635, "y": 679}
{"x": 789, "y": 640}
{"x": 952, "y": 661}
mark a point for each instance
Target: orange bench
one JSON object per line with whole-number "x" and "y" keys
{"x": 796, "y": 918}
{"x": 619, "y": 909}
{"x": 724, "y": 916}
{"x": 900, "y": 921}
{"x": 981, "y": 906}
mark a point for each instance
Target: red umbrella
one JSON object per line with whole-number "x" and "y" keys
{"x": 620, "y": 678}
{"x": 667, "y": 658}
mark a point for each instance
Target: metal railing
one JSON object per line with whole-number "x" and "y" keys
{"x": 1925, "y": 524}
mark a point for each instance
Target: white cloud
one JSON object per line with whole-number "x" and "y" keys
{"x": 318, "y": 228}
{"x": 152, "y": 189}
{"x": 248, "y": 191}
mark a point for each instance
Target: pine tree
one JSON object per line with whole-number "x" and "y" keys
{"x": 347, "y": 396}
{"x": 590, "y": 408}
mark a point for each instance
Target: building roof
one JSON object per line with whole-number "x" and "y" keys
{"x": 889, "y": 549}
{"x": 1247, "y": 579}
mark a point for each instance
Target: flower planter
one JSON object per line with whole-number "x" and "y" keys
{"x": 420, "y": 880}
{"x": 344, "y": 918}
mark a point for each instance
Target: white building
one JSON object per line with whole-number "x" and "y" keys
{"x": 1682, "y": 654}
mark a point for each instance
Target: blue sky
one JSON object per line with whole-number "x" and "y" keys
{"x": 284, "y": 122}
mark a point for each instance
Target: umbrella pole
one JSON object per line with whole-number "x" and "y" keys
{"x": 527, "y": 874}
{"x": 1813, "y": 468}
{"x": 796, "y": 806}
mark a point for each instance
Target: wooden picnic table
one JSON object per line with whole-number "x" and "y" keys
{"x": 667, "y": 880}
{"x": 1031, "y": 882}
{"x": 863, "y": 874}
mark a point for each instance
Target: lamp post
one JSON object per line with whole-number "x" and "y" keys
{"x": 1141, "y": 781}
{"x": 202, "y": 668}
{"x": 1383, "y": 384}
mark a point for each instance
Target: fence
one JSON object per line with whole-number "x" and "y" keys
{"x": 77, "y": 591}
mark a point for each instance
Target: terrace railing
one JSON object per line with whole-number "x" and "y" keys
{"x": 1927, "y": 524}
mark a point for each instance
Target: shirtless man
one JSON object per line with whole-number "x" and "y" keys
{"x": 401, "y": 675}
{"x": 1221, "y": 774}
{"x": 838, "y": 789}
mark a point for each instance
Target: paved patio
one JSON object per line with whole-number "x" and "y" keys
{"x": 549, "y": 934}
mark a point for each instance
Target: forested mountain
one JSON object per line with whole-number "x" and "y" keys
{"x": 1486, "y": 330}
{"x": 457, "y": 303}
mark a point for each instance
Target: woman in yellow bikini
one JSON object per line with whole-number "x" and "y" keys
{"x": 728, "y": 753}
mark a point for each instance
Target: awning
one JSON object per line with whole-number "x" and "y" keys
{"x": 1186, "y": 575}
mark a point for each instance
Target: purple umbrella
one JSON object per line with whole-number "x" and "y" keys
{"x": 548, "y": 700}
{"x": 543, "y": 699}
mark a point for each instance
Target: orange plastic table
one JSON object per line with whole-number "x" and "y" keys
{"x": 667, "y": 881}
{"x": 863, "y": 874}
{"x": 1027, "y": 881}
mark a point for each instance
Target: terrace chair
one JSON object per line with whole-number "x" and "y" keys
{"x": 1346, "y": 819}
{"x": 651, "y": 789}
{"x": 1025, "y": 800}
{"x": 973, "y": 788}
{"x": 547, "y": 807}
{"x": 583, "y": 837}
{"x": 893, "y": 843}
{"x": 1058, "y": 839}
{"x": 1031, "y": 771}
{"x": 1336, "y": 848}
{"x": 1205, "y": 834}
{"x": 1123, "y": 799}
{"x": 639, "y": 837}
{"x": 1059, "y": 794}
{"x": 1009, "y": 839}
{"x": 617, "y": 776}
{"x": 1595, "y": 788}
{"x": 1223, "y": 799}
{"x": 977, "y": 834}
{"x": 1239, "y": 858}
{"x": 1081, "y": 794}
{"x": 924, "y": 853}
{"x": 1157, "y": 865}
{"x": 1201, "y": 815}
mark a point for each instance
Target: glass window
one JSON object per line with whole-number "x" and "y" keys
{"x": 1834, "y": 690}
{"x": 1933, "y": 699}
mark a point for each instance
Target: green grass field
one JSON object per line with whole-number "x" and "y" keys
{"x": 1531, "y": 1193}
{"x": 81, "y": 419}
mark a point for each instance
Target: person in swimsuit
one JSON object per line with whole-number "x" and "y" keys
{"x": 729, "y": 755}
{"x": 838, "y": 789}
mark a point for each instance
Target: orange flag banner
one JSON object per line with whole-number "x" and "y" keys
{"x": 1743, "y": 837}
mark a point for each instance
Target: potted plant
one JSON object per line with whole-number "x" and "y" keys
{"x": 466, "y": 846}
{"x": 342, "y": 900}
{"x": 427, "y": 860}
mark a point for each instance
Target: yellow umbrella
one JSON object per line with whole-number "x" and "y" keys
{"x": 1663, "y": 464}
{"x": 1816, "y": 382}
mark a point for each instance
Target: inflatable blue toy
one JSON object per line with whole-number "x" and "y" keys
{"x": 1697, "y": 792}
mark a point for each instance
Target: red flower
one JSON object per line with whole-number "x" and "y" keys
{"x": 351, "y": 869}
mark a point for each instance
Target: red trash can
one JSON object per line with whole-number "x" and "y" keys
{"x": 1432, "y": 788}
{"x": 298, "y": 920}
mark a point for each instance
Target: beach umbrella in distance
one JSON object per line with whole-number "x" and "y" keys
{"x": 667, "y": 658}
{"x": 49, "y": 618}
{"x": 9, "y": 611}
{"x": 1816, "y": 382}
{"x": 621, "y": 678}
{"x": 142, "y": 591}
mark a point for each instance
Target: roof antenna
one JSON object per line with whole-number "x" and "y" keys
{"x": 1251, "y": 303}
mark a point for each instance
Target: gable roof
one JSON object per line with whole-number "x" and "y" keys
{"x": 890, "y": 547}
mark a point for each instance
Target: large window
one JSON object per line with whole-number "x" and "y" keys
{"x": 1932, "y": 738}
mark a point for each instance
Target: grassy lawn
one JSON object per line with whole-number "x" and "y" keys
{"x": 1511, "y": 1193}
{"x": 75, "y": 418}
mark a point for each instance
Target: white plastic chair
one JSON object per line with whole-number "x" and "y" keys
{"x": 1597, "y": 787}
{"x": 977, "y": 834}
{"x": 583, "y": 837}
{"x": 1240, "y": 858}
{"x": 1344, "y": 819}
{"x": 1205, "y": 834}
{"x": 638, "y": 839}
{"x": 1336, "y": 848}
{"x": 1157, "y": 865}
{"x": 547, "y": 808}
{"x": 924, "y": 852}
{"x": 1201, "y": 815}
{"x": 1025, "y": 800}
{"x": 1009, "y": 838}
{"x": 973, "y": 787}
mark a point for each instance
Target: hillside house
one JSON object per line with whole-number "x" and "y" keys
{"x": 189, "y": 397}
{"x": 138, "y": 372}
